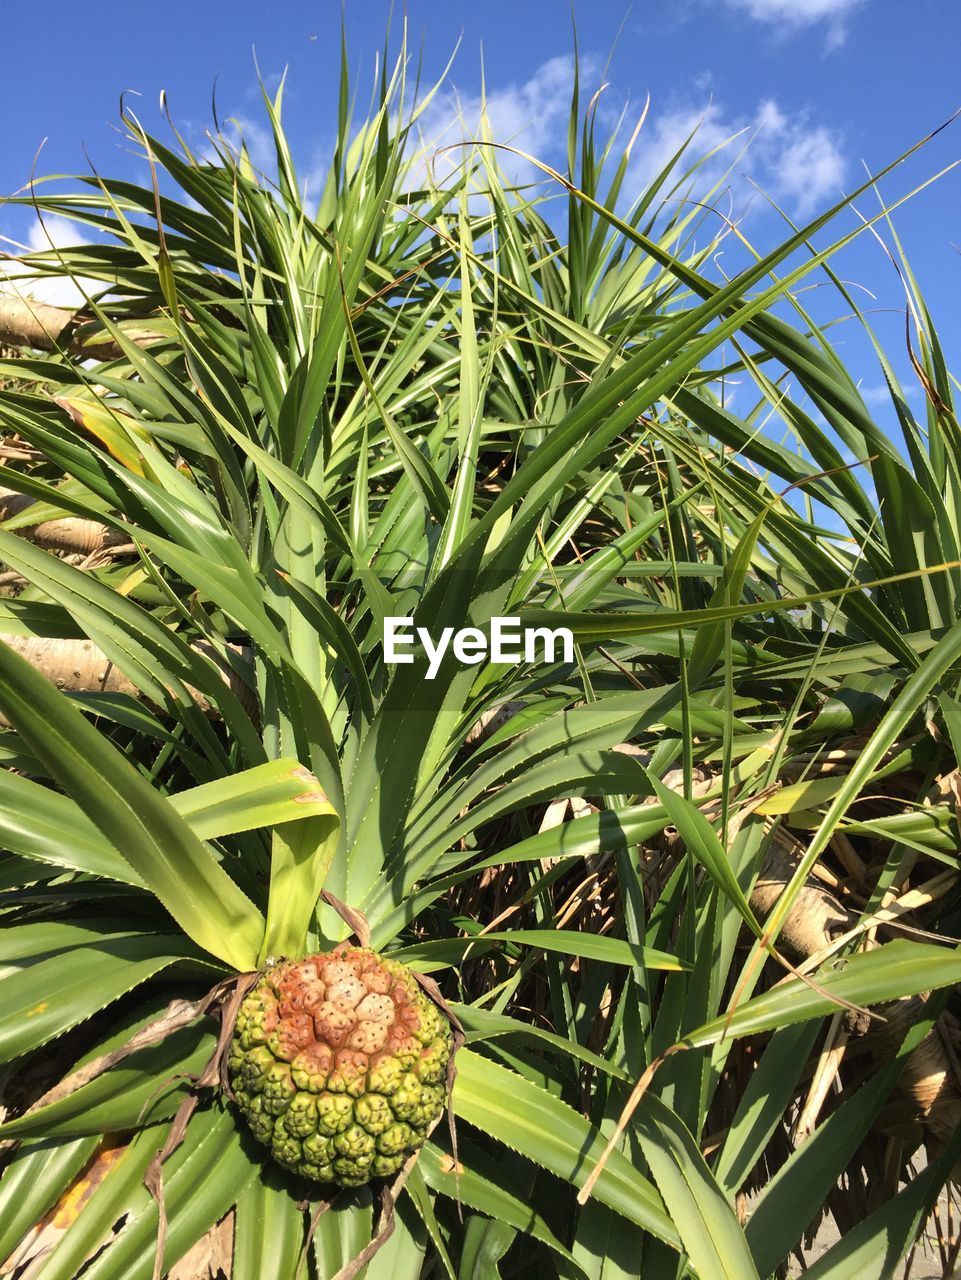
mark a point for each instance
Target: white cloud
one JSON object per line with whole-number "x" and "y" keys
{"x": 809, "y": 167}
{"x": 531, "y": 116}
{"x": 59, "y": 291}
{"x": 242, "y": 130}
{"x": 790, "y": 15}
{"x": 798, "y": 163}
{"x": 881, "y": 394}
{"x": 795, "y": 11}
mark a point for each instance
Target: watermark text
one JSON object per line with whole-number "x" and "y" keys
{"x": 508, "y": 642}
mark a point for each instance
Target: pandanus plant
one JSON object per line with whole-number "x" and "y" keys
{"x": 290, "y": 423}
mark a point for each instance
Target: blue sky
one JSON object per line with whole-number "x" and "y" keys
{"x": 828, "y": 84}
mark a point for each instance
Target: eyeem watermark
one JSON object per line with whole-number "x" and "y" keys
{"x": 508, "y": 642}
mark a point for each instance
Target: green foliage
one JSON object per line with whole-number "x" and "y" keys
{"x": 411, "y": 399}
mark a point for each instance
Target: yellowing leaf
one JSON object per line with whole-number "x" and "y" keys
{"x": 117, "y": 432}
{"x": 801, "y": 795}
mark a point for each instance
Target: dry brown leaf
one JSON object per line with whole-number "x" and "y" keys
{"x": 491, "y": 720}
{"x": 211, "y": 1257}
{"x": 554, "y": 815}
